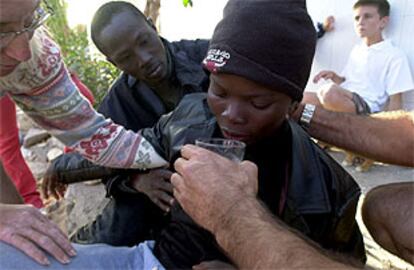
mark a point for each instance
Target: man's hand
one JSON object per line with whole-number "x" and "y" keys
{"x": 25, "y": 228}
{"x": 51, "y": 186}
{"x": 156, "y": 186}
{"x": 328, "y": 75}
{"x": 207, "y": 185}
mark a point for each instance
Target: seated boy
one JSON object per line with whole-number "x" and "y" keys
{"x": 377, "y": 72}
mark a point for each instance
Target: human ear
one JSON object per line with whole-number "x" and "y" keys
{"x": 293, "y": 106}
{"x": 384, "y": 21}
{"x": 292, "y": 109}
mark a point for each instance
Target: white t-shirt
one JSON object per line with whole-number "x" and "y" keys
{"x": 376, "y": 72}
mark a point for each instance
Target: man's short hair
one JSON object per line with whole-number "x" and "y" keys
{"x": 382, "y": 5}
{"x": 106, "y": 13}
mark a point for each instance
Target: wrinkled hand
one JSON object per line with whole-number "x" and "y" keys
{"x": 156, "y": 185}
{"x": 25, "y": 228}
{"x": 214, "y": 265}
{"x": 328, "y": 75}
{"x": 51, "y": 185}
{"x": 207, "y": 185}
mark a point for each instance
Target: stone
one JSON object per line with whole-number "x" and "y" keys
{"x": 34, "y": 136}
{"x": 38, "y": 169}
{"x": 53, "y": 153}
{"x": 24, "y": 122}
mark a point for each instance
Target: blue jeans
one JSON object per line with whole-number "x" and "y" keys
{"x": 98, "y": 256}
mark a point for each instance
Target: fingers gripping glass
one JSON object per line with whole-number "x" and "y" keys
{"x": 41, "y": 14}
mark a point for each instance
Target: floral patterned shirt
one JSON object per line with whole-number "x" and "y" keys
{"x": 42, "y": 88}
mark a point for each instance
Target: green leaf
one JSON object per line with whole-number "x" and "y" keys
{"x": 187, "y": 2}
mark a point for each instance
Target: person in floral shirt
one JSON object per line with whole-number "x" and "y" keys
{"x": 33, "y": 74}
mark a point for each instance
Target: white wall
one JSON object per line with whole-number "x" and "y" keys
{"x": 333, "y": 49}
{"x": 179, "y": 22}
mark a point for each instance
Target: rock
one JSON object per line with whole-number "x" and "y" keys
{"x": 25, "y": 123}
{"x": 53, "y": 142}
{"x": 34, "y": 136}
{"x": 89, "y": 201}
{"x": 38, "y": 168}
{"x": 28, "y": 154}
{"x": 54, "y": 153}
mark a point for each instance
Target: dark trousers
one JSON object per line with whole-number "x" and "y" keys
{"x": 125, "y": 221}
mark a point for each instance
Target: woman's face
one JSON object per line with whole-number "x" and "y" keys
{"x": 245, "y": 110}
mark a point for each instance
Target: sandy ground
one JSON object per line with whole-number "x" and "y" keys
{"x": 87, "y": 200}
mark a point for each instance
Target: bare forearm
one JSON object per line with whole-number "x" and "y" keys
{"x": 386, "y": 137}
{"x": 258, "y": 241}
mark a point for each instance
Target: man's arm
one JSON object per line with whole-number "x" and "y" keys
{"x": 260, "y": 241}
{"x": 220, "y": 195}
{"x": 371, "y": 136}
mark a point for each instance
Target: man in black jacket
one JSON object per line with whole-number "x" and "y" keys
{"x": 157, "y": 74}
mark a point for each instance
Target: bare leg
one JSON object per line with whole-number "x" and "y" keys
{"x": 388, "y": 213}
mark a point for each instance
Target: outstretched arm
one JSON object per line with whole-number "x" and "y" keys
{"x": 48, "y": 95}
{"x": 386, "y": 136}
{"x": 220, "y": 195}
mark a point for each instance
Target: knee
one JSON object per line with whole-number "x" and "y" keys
{"x": 370, "y": 209}
{"x": 330, "y": 95}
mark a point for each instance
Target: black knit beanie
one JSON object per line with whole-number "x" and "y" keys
{"x": 271, "y": 42}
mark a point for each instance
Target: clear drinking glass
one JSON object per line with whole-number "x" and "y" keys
{"x": 231, "y": 149}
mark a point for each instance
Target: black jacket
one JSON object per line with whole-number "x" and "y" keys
{"x": 320, "y": 200}
{"x": 132, "y": 104}
{"x": 321, "y": 197}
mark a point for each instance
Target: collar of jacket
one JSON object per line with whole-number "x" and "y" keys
{"x": 185, "y": 71}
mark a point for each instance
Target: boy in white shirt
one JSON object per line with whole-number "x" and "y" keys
{"x": 377, "y": 72}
